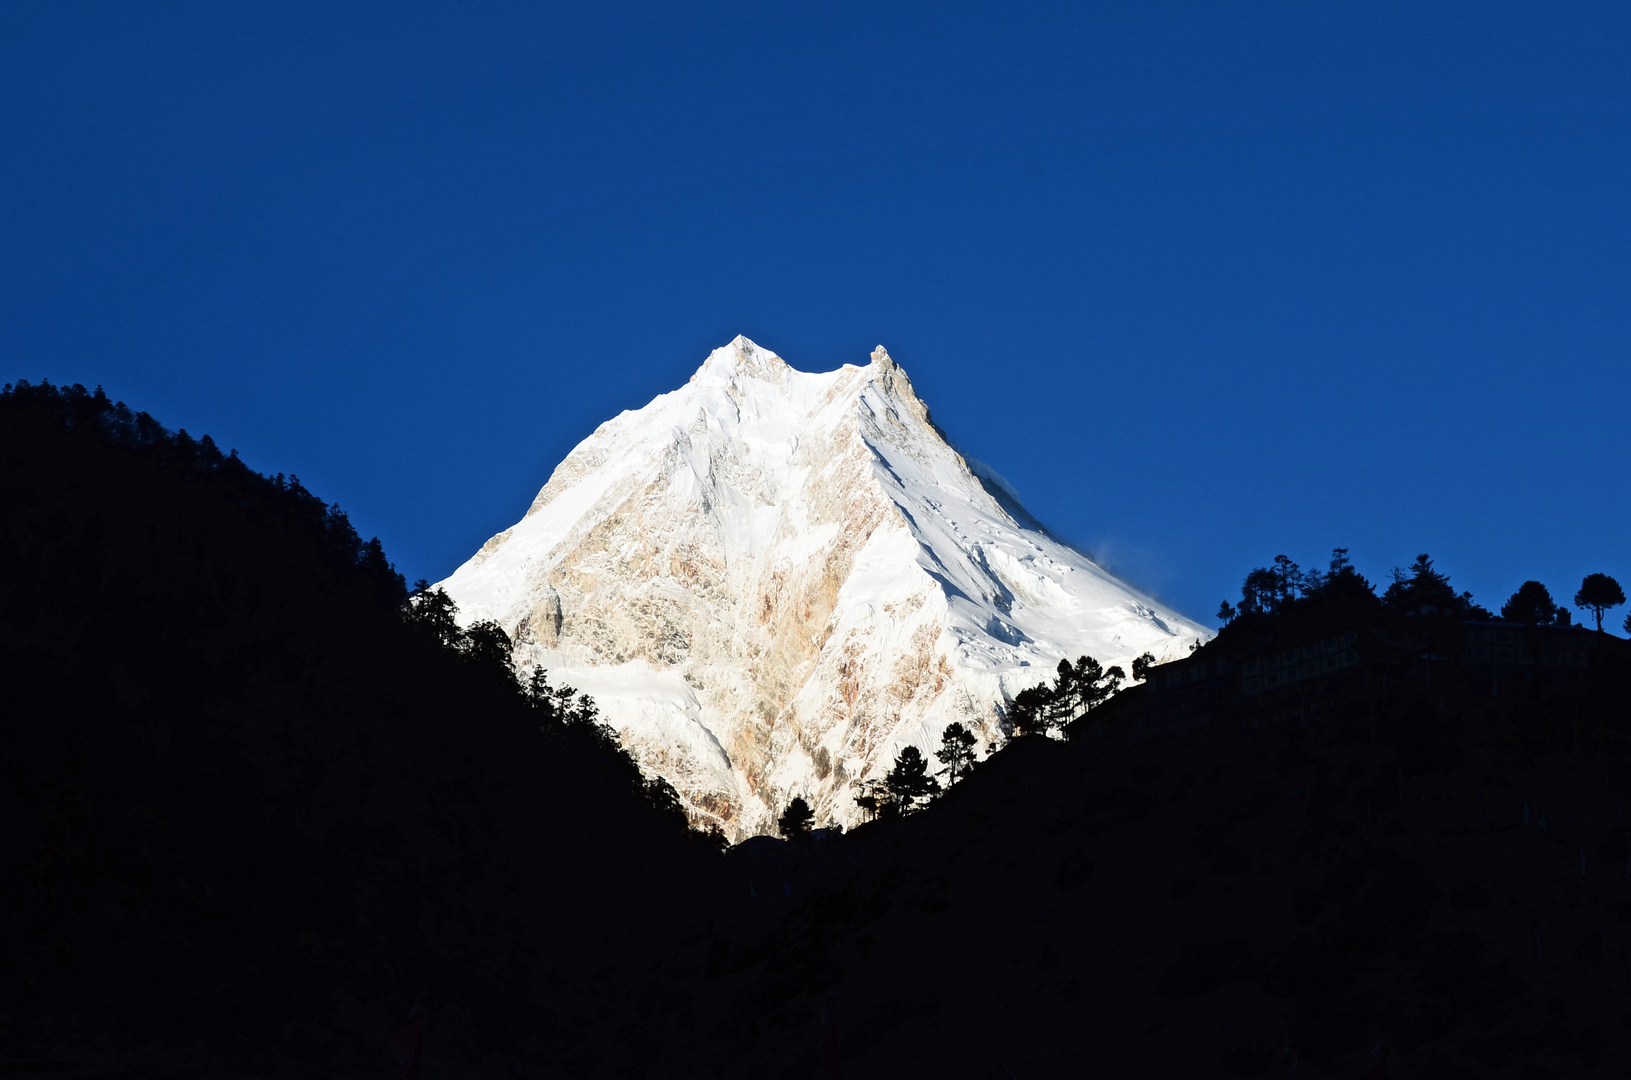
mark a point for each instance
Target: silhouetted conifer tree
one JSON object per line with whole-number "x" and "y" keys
{"x": 537, "y": 691}
{"x": 435, "y": 612}
{"x": 876, "y": 799}
{"x": 1077, "y": 690}
{"x": 1095, "y": 686}
{"x": 1065, "y": 703}
{"x": 1084, "y": 687}
{"x": 1289, "y": 578}
{"x": 909, "y": 781}
{"x": 1340, "y": 579}
{"x": 560, "y": 704}
{"x": 1533, "y": 604}
{"x": 1598, "y": 593}
{"x": 664, "y": 799}
{"x": 1028, "y": 713}
{"x": 1424, "y": 586}
{"x": 487, "y": 644}
{"x": 956, "y": 751}
{"x": 1269, "y": 590}
{"x": 1260, "y": 592}
{"x": 797, "y": 820}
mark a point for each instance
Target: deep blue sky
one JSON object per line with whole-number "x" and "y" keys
{"x": 1206, "y": 282}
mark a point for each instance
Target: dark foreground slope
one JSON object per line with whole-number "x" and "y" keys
{"x": 1420, "y": 869}
{"x": 249, "y": 815}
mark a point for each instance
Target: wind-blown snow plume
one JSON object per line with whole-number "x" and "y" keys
{"x": 771, "y": 581}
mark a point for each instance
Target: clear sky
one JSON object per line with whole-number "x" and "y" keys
{"x": 1206, "y": 282}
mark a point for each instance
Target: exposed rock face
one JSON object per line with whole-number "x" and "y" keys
{"x": 771, "y": 581}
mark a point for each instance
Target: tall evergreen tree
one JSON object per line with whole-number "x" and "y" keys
{"x": 1077, "y": 690}
{"x": 1288, "y": 578}
{"x": 1533, "y": 604}
{"x": 797, "y": 820}
{"x": 956, "y": 751}
{"x": 1340, "y": 579}
{"x": 1028, "y": 714}
{"x": 1271, "y": 589}
{"x": 1423, "y": 586}
{"x": 538, "y": 692}
{"x": 1067, "y": 699}
{"x": 1260, "y": 592}
{"x": 909, "y": 781}
{"x": 435, "y": 612}
{"x": 487, "y": 644}
{"x": 1093, "y": 685}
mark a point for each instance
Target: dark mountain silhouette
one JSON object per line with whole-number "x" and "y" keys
{"x": 251, "y": 815}
{"x": 1400, "y": 849}
{"x": 260, "y": 826}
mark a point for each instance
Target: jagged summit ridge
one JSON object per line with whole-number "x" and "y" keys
{"x": 772, "y": 580}
{"x": 742, "y": 358}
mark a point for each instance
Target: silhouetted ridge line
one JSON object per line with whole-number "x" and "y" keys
{"x": 266, "y": 499}
{"x": 252, "y": 814}
{"x": 485, "y": 645}
{"x": 1308, "y": 646}
{"x": 259, "y": 825}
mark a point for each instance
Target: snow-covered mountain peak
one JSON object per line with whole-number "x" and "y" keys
{"x": 886, "y": 367}
{"x": 742, "y": 358}
{"x": 892, "y": 379}
{"x": 772, "y": 580}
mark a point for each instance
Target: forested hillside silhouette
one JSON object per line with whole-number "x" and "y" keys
{"x": 252, "y": 813}
{"x": 271, "y": 813}
{"x": 1357, "y": 834}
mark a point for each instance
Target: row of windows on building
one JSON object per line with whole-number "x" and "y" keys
{"x": 1494, "y": 645}
{"x": 1264, "y": 673}
{"x": 1291, "y": 674}
{"x": 1516, "y": 646}
{"x": 1520, "y": 656}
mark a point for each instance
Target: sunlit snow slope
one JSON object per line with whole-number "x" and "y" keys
{"x": 771, "y": 581}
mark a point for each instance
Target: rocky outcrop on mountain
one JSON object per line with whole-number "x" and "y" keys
{"x": 771, "y": 581}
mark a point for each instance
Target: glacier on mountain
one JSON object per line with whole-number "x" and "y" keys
{"x": 771, "y": 581}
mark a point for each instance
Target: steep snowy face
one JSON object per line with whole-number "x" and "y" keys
{"x": 771, "y": 581}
